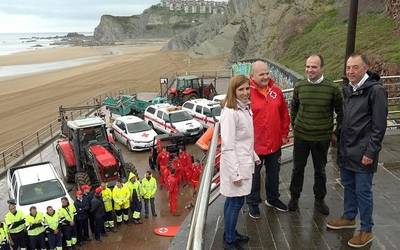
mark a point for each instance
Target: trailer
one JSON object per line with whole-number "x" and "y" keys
{"x": 129, "y": 104}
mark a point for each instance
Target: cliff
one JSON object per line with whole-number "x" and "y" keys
{"x": 155, "y": 22}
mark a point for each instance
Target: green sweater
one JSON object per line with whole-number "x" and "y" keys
{"x": 312, "y": 108}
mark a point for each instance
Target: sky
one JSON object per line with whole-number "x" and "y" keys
{"x": 22, "y": 16}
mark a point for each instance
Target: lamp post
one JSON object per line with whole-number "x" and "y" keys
{"x": 351, "y": 31}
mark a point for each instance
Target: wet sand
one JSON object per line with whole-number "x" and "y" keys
{"x": 28, "y": 102}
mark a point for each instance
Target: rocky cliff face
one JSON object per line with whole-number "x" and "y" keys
{"x": 260, "y": 26}
{"x": 155, "y": 22}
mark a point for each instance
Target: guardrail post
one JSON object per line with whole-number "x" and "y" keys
{"x": 37, "y": 138}
{"x": 22, "y": 147}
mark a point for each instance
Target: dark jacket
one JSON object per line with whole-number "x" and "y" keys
{"x": 82, "y": 209}
{"x": 97, "y": 207}
{"x": 364, "y": 124}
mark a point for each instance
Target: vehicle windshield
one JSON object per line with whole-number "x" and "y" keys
{"x": 180, "y": 116}
{"x": 93, "y": 134}
{"x": 41, "y": 191}
{"x": 137, "y": 127}
{"x": 216, "y": 111}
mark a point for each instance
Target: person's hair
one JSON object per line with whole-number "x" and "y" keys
{"x": 31, "y": 208}
{"x": 321, "y": 59}
{"x": 363, "y": 57}
{"x": 64, "y": 199}
{"x": 234, "y": 83}
{"x": 173, "y": 171}
{"x": 48, "y": 207}
{"x": 148, "y": 172}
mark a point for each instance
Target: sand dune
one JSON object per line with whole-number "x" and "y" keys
{"x": 29, "y": 102}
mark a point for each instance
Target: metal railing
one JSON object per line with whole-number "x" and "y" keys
{"x": 207, "y": 186}
{"x": 45, "y": 134}
{"x": 195, "y": 240}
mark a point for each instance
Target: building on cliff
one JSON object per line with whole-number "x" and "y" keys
{"x": 195, "y": 6}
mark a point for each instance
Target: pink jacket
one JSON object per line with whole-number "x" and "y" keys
{"x": 237, "y": 151}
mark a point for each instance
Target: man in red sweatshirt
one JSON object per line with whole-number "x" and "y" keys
{"x": 271, "y": 127}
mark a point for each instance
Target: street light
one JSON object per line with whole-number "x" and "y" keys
{"x": 351, "y": 31}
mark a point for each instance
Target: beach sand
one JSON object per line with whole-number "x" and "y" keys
{"x": 29, "y": 102}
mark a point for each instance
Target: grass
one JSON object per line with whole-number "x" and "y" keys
{"x": 375, "y": 35}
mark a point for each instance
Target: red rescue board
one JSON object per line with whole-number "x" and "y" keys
{"x": 167, "y": 231}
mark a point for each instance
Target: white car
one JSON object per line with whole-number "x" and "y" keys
{"x": 168, "y": 118}
{"x": 36, "y": 185}
{"x": 205, "y": 111}
{"x": 135, "y": 133}
{"x": 219, "y": 98}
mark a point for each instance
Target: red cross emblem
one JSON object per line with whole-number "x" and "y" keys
{"x": 145, "y": 135}
{"x": 163, "y": 230}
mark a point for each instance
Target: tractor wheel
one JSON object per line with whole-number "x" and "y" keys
{"x": 68, "y": 173}
{"x": 129, "y": 167}
{"x": 82, "y": 178}
{"x": 189, "y": 97}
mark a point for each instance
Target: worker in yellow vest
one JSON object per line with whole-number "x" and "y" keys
{"x": 4, "y": 241}
{"x": 149, "y": 189}
{"x": 15, "y": 222}
{"x": 67, "y": 214}
{"x": 120, "y": 196}
{"x": 34, "y": 223}
{"x": 53, "y": 233}
{"x": 134, "y": 187}
{"x": 106, "y": 195}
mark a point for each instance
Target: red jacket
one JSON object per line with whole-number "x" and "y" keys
{"x": 270, "y": 118}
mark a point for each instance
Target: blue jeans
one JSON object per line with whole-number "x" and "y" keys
{"x": 358, "y": 196}
{"x": 272, "y": 167}
{"x": 231, "y": 213}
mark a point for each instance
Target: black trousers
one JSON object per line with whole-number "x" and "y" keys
{"x": 319, "y": 152}
{"x": 272, "y": 163}
{"x": 99, "y": 227}
{"x": 37, "y": 241}
{"x": 19, "y": 239}
{"x": 82, "y": 229}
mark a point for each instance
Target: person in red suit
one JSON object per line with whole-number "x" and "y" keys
{"x": 186, "y": 163}
{"x": 179, "y": 172}
{"x": 194, "y": 181}
{"x": 162, "y": 162}
{"x": 173, "y": 191}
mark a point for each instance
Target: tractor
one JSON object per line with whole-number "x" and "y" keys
{"x": 185, "y": 88}
{"x": 87, "y": 153}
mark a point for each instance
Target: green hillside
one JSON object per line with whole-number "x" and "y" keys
{"x": 375, "y": 35}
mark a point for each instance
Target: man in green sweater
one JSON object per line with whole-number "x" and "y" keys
{"x": 312, "y": 113}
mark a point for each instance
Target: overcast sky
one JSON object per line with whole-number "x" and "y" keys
{"x": 19, "y": 16}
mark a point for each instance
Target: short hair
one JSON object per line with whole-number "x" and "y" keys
{"x": 321, "y": 59}
{"x": 363, "y": 57}
{"x": 230, "y": 98}
{"x": 148, "y": 172}
{"x": 32, "y": 207}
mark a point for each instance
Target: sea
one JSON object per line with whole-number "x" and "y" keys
{"x": 11, "y": 43}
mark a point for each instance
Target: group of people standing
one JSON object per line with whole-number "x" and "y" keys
{"x": 176, "y": 171}
{"x": 69, "y": 225}
{"x": 255, "y": 124}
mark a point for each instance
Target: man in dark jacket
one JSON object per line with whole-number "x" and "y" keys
{"x": 82, "y": 216}
{"x": 98, "y": 211}
{"x": 88, "y": 196}
{"x": 362, "y": 131}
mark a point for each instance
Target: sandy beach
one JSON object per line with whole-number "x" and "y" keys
{"x": 28, "y": 102}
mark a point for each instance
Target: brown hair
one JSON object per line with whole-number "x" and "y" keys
{"x": 234, "y": 83}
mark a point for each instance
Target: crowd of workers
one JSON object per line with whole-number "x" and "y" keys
{"x": 95, "y": 209}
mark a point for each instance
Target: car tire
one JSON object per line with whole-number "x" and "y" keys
{"x": 129, "y": 146}
{"x": 151, "y": 125}
{"x": 129, "y": 167}
{"x": 82, "y": 178}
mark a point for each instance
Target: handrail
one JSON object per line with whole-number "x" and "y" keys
{"x": 195, "y": 240}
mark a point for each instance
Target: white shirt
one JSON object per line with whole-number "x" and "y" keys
{"x": 360, "y": 83}
{"x": 317, "y": 81}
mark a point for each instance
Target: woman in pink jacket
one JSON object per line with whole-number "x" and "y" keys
{"x": 237, "y": 156}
